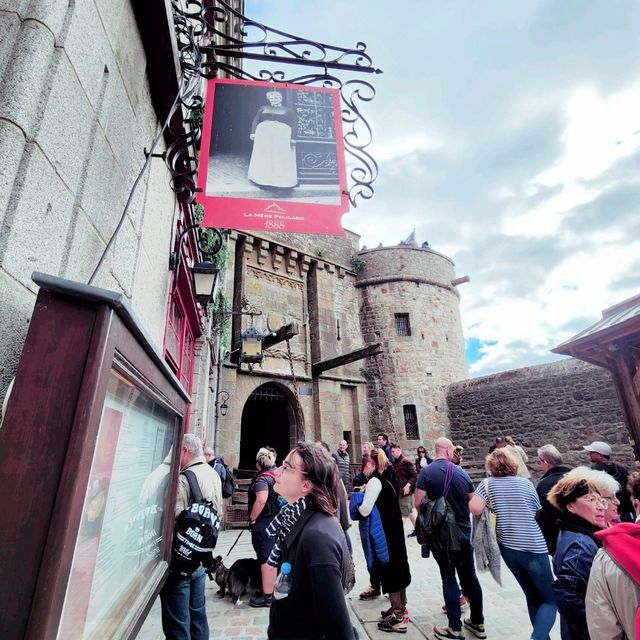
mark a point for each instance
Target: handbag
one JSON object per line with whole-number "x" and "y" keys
{"x": 490, "y": 512}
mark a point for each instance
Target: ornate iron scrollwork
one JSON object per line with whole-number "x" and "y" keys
{"x": 213, "y": 37}
{"x": 260, "y": 42}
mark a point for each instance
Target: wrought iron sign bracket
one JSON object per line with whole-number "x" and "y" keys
{"x": 213, "y": 38}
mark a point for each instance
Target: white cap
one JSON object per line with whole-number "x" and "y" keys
{"x": 598, "y": 447}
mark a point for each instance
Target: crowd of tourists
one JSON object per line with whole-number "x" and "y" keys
{"x": 571, "y": 541}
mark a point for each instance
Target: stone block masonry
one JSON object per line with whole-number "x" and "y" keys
{"x": 76, "y": 112}
{"x": 407, "y": 303}
{"x": 567, "y": 403}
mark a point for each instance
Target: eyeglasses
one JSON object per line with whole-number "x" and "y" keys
{"x": 610, "y": 499}
{"x": 592, "y": 500}
{"x": 287, "y": 466}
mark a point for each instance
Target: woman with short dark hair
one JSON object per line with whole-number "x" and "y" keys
{"x": 582, "y": 511}
{"x": 308, "y": 537}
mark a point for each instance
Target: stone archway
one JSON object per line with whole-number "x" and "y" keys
{"x": 268, "y": 419}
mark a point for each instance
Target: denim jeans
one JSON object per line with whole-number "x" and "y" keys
{"x": 533, "y": 573}
{"x": 462, "y": 562}
{"x": 184, "y": 615}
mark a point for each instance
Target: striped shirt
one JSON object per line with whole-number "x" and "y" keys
{"x": 515, "y": 502}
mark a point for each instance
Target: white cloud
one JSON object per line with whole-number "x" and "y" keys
{"x": 500, "y": 133}
{"x": 390, "y": 148}
{"x": 600, "y": 131}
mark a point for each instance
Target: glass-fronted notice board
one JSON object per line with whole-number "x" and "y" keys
{"x": 118, "y": 544}
{"x": 95, "y": 420}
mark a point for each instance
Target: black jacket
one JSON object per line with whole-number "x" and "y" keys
{"x": 548, "y": 518}
{"x": 395, "y": 575}
{"x": 315, "y": 608}
{"x": 620, "y": 474}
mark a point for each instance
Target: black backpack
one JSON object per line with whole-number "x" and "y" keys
{"x": 436, "y": 525}
{"x": 195, "y": 534}
{"x": 226, "y": 477}
{"x": 274, "y": 502}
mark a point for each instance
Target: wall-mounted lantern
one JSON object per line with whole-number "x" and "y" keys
{"x": 204, "y": 274}
{"x": 251, "y": 349}
{"x": 223, "y": 407}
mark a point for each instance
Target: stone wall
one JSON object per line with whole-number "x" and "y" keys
{"x": 75, "y": 116}
{"x": 320, "y": 296}
{"x": 415, "y": 369}
{"x": 336, "y": 249}
{"x": 567, "y": 403}
{"x": 407, "y": 263}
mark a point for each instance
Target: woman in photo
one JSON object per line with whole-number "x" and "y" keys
{"x": 273, "y": 159}
{"x": 309, "y": 539}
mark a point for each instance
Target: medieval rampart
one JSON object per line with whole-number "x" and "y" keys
{"x": 567, "y": 403}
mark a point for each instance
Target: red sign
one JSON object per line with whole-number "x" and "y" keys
{"x": 272, "y": 158}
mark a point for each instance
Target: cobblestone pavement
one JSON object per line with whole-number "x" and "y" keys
{"x": 504, "y": 607}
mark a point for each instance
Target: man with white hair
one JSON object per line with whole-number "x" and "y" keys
{"x": 600, "y": 454}
{"x": 184, "y": 615}
{"x": 341, "y": 456}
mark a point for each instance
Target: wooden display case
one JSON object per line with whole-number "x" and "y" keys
{"x": 88, "y": 470}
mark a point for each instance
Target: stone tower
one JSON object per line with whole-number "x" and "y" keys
{"x": 409, "y": 302}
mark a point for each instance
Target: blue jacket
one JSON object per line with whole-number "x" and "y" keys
{"x": 572, "y": 561}
{"x": 372, "y": 535}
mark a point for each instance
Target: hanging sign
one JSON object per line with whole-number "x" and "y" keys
{"x": 272, "y": 158}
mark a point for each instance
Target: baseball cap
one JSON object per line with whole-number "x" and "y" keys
{"x": 598, "y": 447}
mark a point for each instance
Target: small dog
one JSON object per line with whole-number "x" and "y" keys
{"x": 219, "y": 573}
{"x": 242, "y": 578}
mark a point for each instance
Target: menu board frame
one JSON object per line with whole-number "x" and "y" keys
{"x": 78, "y": 335}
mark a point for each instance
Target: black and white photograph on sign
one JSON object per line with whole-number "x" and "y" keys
{"x": 274, "y": 142}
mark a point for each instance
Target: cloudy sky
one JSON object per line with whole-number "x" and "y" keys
{"x": 508, "y": 134}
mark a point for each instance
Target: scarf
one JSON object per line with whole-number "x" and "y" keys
{"x": 570, "y": 522}
{"x": 281, "y": 525}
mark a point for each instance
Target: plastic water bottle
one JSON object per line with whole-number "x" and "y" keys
{"x": 283, "y": 583}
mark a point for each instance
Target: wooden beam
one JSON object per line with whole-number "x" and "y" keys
{"x": 283, "y": 333}
{"x": 370, "y": 350}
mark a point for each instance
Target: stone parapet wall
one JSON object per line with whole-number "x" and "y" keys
{"x": 567, "y": 403}
{"x": 406, "y": 263}
{"x": 336, "y": 249}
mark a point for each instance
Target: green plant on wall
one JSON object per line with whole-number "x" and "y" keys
{"x": 197, "y": 110}
{"x": 220, "y": 317}
{"x": 358, "y": 263}
{"x": 208, "y": 239}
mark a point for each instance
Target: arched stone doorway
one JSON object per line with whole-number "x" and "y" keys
{"x": 268, "y": 419}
